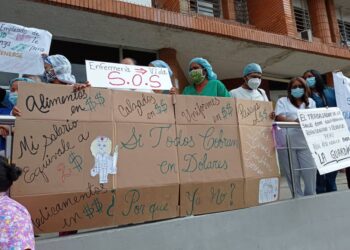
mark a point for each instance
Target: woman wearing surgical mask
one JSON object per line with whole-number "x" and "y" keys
{"x": 250, "y": 89}
{"x": 203, "y": 80}
{"x": 58, "y": 70}
{"x": 302, "y": 163}
{"x": 323, "y": 96}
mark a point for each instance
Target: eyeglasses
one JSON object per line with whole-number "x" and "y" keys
{"x": 297, "y": 86}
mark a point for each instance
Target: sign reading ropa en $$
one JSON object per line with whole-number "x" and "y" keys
{"x": 121, "y": 76}
{"x": 327, "y": 136}
{"x": 21, "y": 49}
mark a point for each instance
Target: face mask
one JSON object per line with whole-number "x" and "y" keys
{"x": 297, "y": 93}
{"x": 196, "y": 76}
{"x": 13, "y": 98}
{"x": 50, "y": 76}
{"x": 311, "y": 82}
{"x": 254, "y": 83}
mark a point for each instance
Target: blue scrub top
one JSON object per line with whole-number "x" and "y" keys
{"x": 329, "y": 95}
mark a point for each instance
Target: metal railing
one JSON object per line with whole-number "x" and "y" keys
{"x": 286, "y": 126}
{"x": 10, "y": 122}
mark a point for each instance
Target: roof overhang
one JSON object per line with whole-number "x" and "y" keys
{"x": 227, "y": 55}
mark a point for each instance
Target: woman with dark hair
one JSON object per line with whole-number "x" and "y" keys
{"x": 203, "y": 80}
{"x": 16, "y": 229}
{"x": 302, "y": 163}
{"x": 323, "y": 96}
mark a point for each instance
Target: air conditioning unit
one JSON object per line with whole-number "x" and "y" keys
{"x": 306, "y": 35}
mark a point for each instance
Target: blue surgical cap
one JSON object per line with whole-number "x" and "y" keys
{"x": 22, "y": 79}
{"x": 162, "y": 64}
{"x": 252, "y": 68}
{"x": 62, "y": 68}
{"x": 205, "y": 64}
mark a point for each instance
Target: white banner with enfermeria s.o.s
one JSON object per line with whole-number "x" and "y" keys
{"x": 342, "y": 94}
{"x": 122, "y": 76}
{"x": 327, "y": 137}
{"x": 21, "y": 49}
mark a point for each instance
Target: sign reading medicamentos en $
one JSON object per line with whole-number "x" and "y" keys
{"x": 121, "y": 76}
{"x": 21, "y": 49}
{"x": 327, "y": 136}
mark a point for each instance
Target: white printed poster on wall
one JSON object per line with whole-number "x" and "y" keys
{"x": 122, "y": 76}
{"x": 327, "y": 137}
{"x": 21, "y": 49}
{"x": 268, "y": 190}
{"x": 342, "y": 94}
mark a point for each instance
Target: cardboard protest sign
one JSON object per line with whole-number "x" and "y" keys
{"x": 203, "y": 110}
{"x": 142, "y": 107}
{"x": 327, "y": 137}
{"x": 258, "y": 152}
{"x": 60, "y": 102}
{"x": 71, "y": 211}
{"x": 56, "y": 156}
{"x": 147, "y": 181}
{"x": 100, "y": 157}
{"x": 211, "y": 177}
{"x": 21, "y": 49}
{"x": 122, "y": 76}
{"x": 342, "y": 93}
{"x": 69, "y": 165}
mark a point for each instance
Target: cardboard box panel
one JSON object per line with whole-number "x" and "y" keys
{"x": 56, "y": 156}
{"x": 205, "y": 110}
{"x": 254, "y": 113}
{"x": 136, "y": 205}
{"x": 258, "y": 152}
{"x": 131, "y": 106}
{"x": 258, "y": 191}
{"x": 147, "y": 156}
{"x": 208, "y": 153}
{"x": 209, "y": 197}
{"x": 65, "y": 212}
{"x": 60, "y": 102}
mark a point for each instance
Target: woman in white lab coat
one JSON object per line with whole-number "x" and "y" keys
{"x": 302, "y": 162}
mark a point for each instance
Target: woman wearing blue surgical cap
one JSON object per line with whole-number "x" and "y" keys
{"x": 299, "y": 158}
{"x": 58, "y": 70}
{"x": 161, "y": 64}
{"x": 323, "y": 96}
{"x": 250, "y": 88}
{"x": 203, "y": 80}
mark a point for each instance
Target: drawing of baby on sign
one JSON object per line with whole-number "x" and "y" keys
{"x": 105, "y": 163}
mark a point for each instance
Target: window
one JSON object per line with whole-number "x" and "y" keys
{"x": 302, "y": 19}
{"x": 241, "y": 10}
{"x": 141, "y": 57}
{"x": 77, "y": 53}
{"x": 344, "y": 28}
{"x": 206, "y": 7}
{"x": 6, "y": 77}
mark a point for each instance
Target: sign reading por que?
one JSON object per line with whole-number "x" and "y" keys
{"x": 122, "y": 76}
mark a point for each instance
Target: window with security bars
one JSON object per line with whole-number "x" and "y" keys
{"x": 302, "y": 19}
{"x": 206, "y": 7}
{"x": 241, "y": 10}
{"x": 344, "y": 28}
